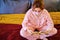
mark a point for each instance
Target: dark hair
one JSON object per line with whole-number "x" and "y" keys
{"x": 38, "y": 4}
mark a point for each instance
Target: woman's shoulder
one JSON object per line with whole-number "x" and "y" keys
{"x": 45, "y": 10}
{"x": 29, "y": 10}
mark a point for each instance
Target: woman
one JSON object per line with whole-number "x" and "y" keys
{"x": 37, "y": 23}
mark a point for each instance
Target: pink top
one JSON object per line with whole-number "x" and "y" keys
{"x": 41, "y": 20}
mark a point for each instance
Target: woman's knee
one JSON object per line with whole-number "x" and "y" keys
{"x": 54, "y": 30}
{"x": 22, "y": 33}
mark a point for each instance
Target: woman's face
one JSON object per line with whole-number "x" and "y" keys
{"x": 37, "y": 10}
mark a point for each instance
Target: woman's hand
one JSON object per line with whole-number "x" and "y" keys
{"x": 30, "y": 30}
{"x": 47, "y": 32}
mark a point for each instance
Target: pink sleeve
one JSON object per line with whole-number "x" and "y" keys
{"x": 25, "y": 23}
{"x": 49, "y": 20}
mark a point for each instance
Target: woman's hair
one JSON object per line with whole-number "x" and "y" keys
{"x": 38, "y": 4}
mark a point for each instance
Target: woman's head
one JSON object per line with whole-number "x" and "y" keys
{"x": 38, "y": 5}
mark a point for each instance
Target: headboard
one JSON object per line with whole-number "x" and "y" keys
{"x": 18, "y": 18}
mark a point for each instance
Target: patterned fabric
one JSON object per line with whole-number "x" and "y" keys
{"x": 40, "y": 20}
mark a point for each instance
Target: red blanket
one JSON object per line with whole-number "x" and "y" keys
{"x": 12, "y": 32}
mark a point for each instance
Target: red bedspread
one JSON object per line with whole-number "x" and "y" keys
{"x": 12, "y": 32}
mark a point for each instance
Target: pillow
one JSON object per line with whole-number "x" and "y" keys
{"x": 10, "y": 6}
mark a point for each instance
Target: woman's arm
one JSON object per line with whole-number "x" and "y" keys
{"x": 49, "y": 22}
{"x": 26, "y": 23}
